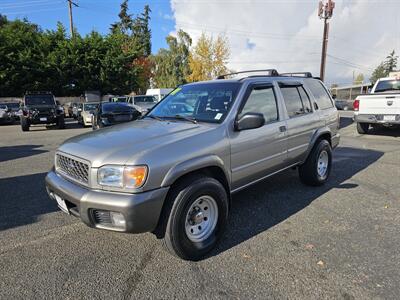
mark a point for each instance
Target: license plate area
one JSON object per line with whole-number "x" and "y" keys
{"x": 43, "y": 119}
{"x": 389, "y": 118}
{"x": 61, "y": 204}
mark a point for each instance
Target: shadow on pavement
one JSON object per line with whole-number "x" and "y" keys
{"x": 266, "y": 204}
{"x": 23, "y": 199}
{"x": 345, "y": 121}
{"x": 14, "y": 152}
{"x": 385, "y": 131}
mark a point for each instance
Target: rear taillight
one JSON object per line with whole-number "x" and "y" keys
{"x": 356, "y": 105}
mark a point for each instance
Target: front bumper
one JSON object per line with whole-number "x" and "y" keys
{"x": 141, "y": 211}
{"x": 376, "y": 119}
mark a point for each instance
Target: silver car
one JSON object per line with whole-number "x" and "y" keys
{"x": 173, "y": 171}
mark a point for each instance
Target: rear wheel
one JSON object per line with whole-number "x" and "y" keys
{"x": 61, "y": 122}
{"x": 24, "y": 124}
{"x": 362, "y": 128}
{"x": 316, "y": 169}
{"x": 197, "y": 217}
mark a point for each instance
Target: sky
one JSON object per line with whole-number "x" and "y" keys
{"x": 281, "y": 34}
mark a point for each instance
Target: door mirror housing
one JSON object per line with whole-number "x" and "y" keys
{"x": 249, "y": 120}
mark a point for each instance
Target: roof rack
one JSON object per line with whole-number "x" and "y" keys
{"x": 297, "y": 74}
{"x": 271, "y": 72}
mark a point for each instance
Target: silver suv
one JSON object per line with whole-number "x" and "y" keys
{"x": 173, "y": 172}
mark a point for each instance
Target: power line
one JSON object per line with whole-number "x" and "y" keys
{"x": 26, "y": 4}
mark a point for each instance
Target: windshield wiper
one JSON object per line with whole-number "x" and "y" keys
{"x": 153, "y": 117}
{"x": 180, "y": 117}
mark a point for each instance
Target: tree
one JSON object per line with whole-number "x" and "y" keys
{"x": 171, "y": 66}
{"x": 124, "y": 25}
{"x": 391, "y": 62}
{"x": 385, "y": 67}
{"x": 208, "y": 58}
{"x": 359, "y": 79}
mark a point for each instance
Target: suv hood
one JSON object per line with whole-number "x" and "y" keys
{"x": 127, "y": 142}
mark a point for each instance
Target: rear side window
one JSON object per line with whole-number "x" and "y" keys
{"x": 320, "y": 94}
{"x": 262, "y": 100}
{"x": 305, "y": 99}
{"x": 294, "y": 105}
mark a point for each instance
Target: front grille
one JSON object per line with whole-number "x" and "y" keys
{"x": 102, "y": 217}
{"x": 73, "y": 168}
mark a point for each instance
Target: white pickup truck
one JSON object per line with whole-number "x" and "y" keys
{"x": 380, "y": 107}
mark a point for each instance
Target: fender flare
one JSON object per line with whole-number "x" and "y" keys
{"x": 194, "y": 164}
{"x": 317, "y": 134}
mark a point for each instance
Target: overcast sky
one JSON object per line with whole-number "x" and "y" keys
{"x": 287, "y": 34}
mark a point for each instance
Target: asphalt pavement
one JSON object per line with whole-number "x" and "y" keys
{"x": 284, "y": 240}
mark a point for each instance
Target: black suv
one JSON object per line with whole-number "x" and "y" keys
{"x": 41, "y": 108}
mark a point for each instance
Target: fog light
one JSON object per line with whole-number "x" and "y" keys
{"x": 118, "y": 219}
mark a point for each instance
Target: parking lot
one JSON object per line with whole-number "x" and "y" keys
{"x": 284, "y": 240}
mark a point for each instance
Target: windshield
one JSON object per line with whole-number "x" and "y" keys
{"x": 387, "y": 85}
{"x": 39, "y": 100}
{"x": 142, "y": 99}
{"x": 207, "y": 102}
{"x": 90, "y": 106}
{"x": 116, "y": 107}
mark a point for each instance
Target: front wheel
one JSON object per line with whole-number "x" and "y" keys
{"x": 197, "y": 217}
{"x": 362, "y": 128}
{"x": 316, "y": 169}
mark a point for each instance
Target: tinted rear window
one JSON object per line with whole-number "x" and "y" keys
{"x": 387, "y": 86}
{"x": 39, "y": 100}
{"x": 320, "y": 94}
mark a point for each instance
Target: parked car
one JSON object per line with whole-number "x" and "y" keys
{"x": 173, "y": 171}
{"x": 342, "y": 104}
{"x": 5, "y": 115}
{"x": 145, "y": 103}
{"x": 111, "y": 113}
{"x": 158, "y": 93}
{"x": 118, "y": 99}
{"x": 73, "y": 110}
{"x": 40, "y": 108}
{"x": 85, "y": 113}
{"x": 15, "y": 110}
{"x": 381, "y": 107}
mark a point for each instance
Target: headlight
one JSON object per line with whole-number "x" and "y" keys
{"x": 122, "y": 177}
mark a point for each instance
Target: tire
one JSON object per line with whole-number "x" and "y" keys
{"x": 206, "y": 200}
{"x": 362, "y": 128}
{"x": 61, "y": 122}
{"x": 313, "y": 172}
{"x": 24, "y": 124}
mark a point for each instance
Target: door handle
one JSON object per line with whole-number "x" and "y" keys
{"x": 282, "y": 128}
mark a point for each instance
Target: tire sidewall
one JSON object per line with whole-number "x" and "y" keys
{"x": 322, "y": 146}
{"x": 176, "y": 224}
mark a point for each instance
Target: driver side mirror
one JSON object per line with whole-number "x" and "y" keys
{"x": 249, "y": 121}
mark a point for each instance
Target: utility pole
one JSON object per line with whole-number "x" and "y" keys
{"x": 71, "y": 23}
{"x": 325, "y": 12}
